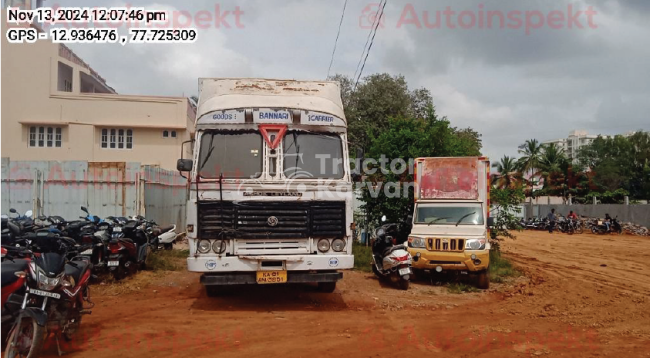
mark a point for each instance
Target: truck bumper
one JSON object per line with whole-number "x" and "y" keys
{"x": 244, "y": 278}
{"x": 449, "y": 261}
{"x": 215, "y": 264}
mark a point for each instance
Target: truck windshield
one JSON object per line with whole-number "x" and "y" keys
{"x": 449, "y": 214}
{"x": 233, "y": 155}
{"x": 312, "y": 155}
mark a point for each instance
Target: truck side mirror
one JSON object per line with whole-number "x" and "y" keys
{"x": 184, "y": 165}
{"x": 490, "y": 222}
{"x": 359, "y": 153}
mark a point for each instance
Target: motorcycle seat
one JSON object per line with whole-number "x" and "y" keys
{"x": 9, "y": 268}
{"x": 166, "y": 228}
{"x": 389, "y": 250}
{"x": 78, "y": 271}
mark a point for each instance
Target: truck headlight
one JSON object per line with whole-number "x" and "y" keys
{"x": 475, "y": 244}
{"x": 204, "y": 246}
{"x": 416, "y": 242}
{"x": 323, "y": 245}
{"x": 219, "y": 246}
{"x": 338, "y": 245}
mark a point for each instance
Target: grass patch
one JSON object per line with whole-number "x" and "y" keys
{"x": 362, "y": 257}
{"x": 501, "y": 268}
{"x": 168, "y": 260}
{"x": 459, "y": 287}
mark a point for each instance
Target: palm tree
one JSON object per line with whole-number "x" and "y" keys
{"x": 553, "y": 165}
{"x": 531, "y": 152}
{"x": 507, "y": 172}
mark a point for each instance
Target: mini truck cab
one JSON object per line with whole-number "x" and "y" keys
{"x": 451, "y": 217}
{"x": 270, "y": 193}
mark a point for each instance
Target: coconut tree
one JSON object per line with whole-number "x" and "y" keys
{"x": 529, "y": 162}
{"x": 506, "y": 172}
{"x": 553, "y": 166}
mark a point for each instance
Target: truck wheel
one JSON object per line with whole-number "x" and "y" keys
{"x": 327, "y": 287}
{"x": 483, "y": 280}
{"x": 216, "y": 290}
{"x": 404, "y": 284}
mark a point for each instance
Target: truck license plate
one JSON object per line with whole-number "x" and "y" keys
{"x": 113, "y": 263}
{"x": 404, "y": 271}
{"x": 264, "y": 277}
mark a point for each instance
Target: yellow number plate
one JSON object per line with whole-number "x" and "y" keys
{"x": 264, "y": 277}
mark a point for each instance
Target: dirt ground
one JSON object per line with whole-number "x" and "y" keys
{"x": 582, "y": 296}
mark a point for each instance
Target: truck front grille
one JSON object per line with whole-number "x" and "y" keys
{"x": 264, "y": 220}
{"x": 442, "y": 244}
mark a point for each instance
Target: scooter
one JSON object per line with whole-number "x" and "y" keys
{"x": 166, "y": 236}
{"x": 389, "y": 260}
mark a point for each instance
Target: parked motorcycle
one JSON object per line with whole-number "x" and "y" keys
{"x": 598, "y": 226}
{"x": 13, "y": 289}
{"x": 129, "y": 247}
{"x": 55, "y": 291}
{"x": 390, "y": 260}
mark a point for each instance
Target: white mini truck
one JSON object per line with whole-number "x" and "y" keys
{"x": 270, "y": 192}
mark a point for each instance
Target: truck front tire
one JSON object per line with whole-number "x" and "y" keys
{"x": 327, "y": 287}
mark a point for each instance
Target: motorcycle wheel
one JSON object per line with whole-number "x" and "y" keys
{"x": 119, "y": 273}
{"x": 375, "y": 271}
{"x": 579, "y": 229}
{"x": 168, "y": 246}
{"x": 29, "y": 342}
{"x": 404, "y": 284}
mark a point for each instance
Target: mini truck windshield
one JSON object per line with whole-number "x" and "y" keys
{"x": 449, "y": 214}
{"x": 235, "y": 155}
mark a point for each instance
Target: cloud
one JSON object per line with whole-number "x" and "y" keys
{"x": 508, "y": 84}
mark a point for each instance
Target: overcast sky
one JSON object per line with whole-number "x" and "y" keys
{"x": 532, "y": 78}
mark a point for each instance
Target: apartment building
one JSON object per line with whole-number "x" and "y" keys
{"x": 573, "y": 143}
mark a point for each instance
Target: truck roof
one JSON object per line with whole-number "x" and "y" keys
{"x": 219, "y": 94}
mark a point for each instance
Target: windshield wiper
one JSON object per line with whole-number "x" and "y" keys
{"x": 464, "y": 216}
{"x": 207, "y": 156}
{"x": 435, "y": 220}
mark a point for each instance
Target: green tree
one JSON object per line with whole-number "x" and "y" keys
{"x": 507, "y": 175}
{"x": 531, "y": 152}
{"x": 377, "y": 98}
{"x": 619, "y": 162}
{"x": 406, "y": 138}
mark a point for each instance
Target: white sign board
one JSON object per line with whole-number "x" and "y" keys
{"x": 223, "y": 117}
{"x": 268, "y": 115}
{"x": 320, "y": 119}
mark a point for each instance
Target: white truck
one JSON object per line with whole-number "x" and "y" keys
{"x": 451, "y": 222}
{"x": 270, "y": 190}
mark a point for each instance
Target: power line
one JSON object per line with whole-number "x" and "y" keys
{"x": 372, "y": 26}
{"x": 371, "y": 42}
{"x": 345, "y": 4}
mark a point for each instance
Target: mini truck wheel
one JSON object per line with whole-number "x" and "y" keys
{"x": 483, "y": 280}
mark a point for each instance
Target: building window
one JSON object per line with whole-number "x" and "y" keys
{"x": 116, "y": 138}
{"x": 45, "y": 137}
{"x": 169, "y": 134}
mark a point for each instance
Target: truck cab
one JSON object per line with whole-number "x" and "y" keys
{"x": 450, "y": 232}
{"x": 270, "y": 193}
